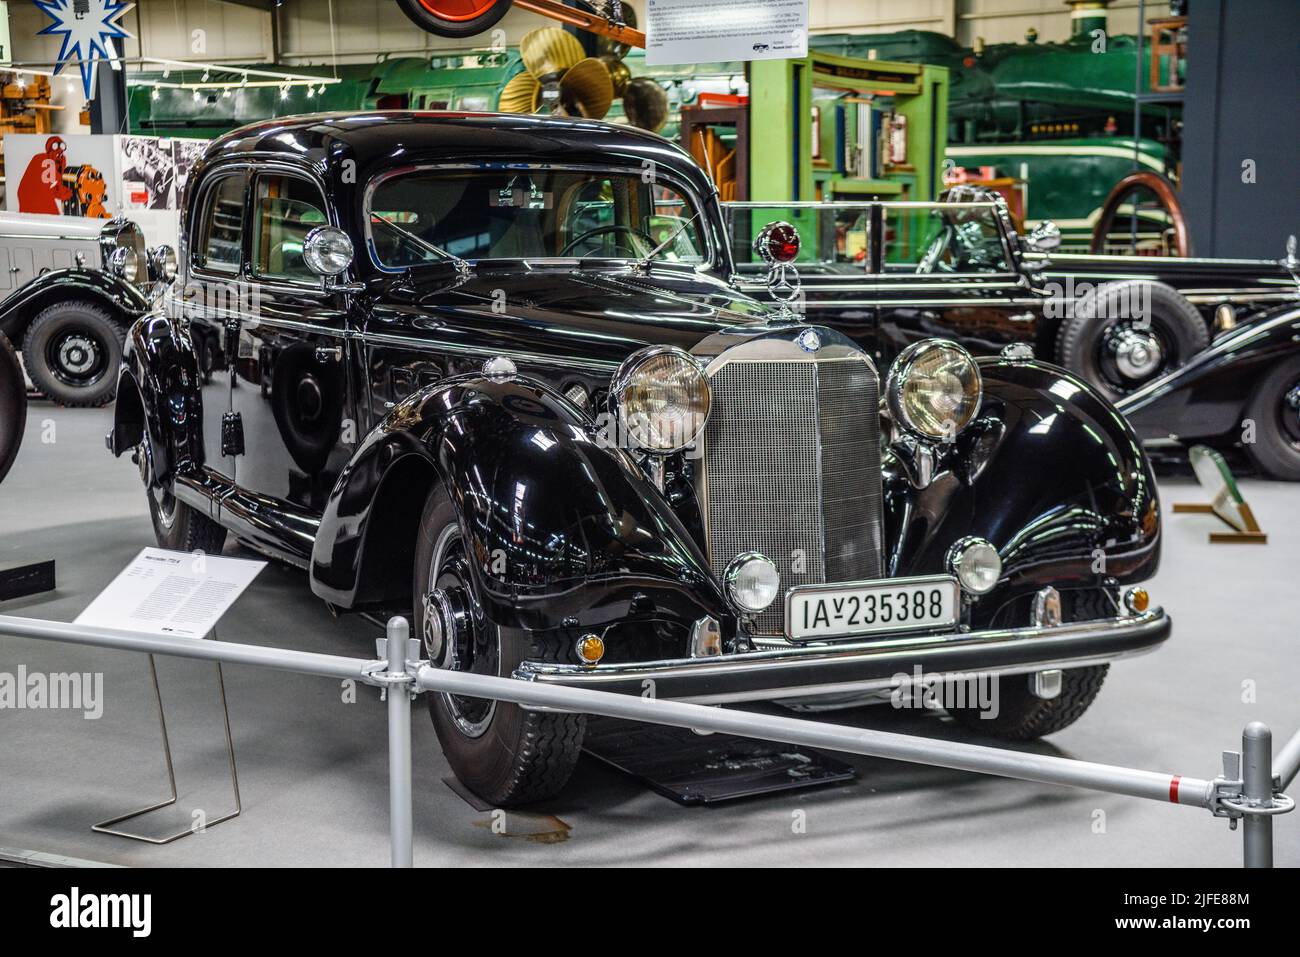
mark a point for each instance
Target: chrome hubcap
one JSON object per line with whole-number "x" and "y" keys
{"x": 1137, "y": 354}
{"x": 1291, "y": 413}
{"x": 453, "y": 636}
{"x": 78, "y": 354}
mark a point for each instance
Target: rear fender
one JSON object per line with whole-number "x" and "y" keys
{"x": 1207, "y": 396}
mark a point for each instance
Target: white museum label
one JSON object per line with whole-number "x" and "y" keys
{"x": 180, "y": 594}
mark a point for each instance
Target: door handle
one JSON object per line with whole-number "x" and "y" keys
{"x": 329, "y": 353}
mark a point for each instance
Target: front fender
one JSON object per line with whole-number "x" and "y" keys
{"x": 564, "y": 531}
{"x": 1050, "y": 473}
{"x": 1206, "y": 397}
{"x": 62, "y": 284}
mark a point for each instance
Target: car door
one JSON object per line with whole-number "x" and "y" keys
{"x": 208, "y": 305}
{"x": 291, "y": 389}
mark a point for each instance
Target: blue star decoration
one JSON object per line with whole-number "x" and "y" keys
{"x": 88, "y": 28}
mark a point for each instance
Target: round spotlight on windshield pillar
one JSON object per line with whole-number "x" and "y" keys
{"x": 752, "y": 582}
{"x": 976, "y": 565}
{"x": 777, "y": 244}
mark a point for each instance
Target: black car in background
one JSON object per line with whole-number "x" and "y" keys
{"x": 1193, "y": 350}
{"x": 13, "y": 406}
{"x": 491, "y": 372}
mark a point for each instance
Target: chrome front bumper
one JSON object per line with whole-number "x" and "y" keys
{"x": 804, "y": 670}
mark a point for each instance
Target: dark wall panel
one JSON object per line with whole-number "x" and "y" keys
{"x": 1243, "y": 103}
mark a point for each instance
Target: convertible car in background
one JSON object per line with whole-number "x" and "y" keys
{"x": 506, "y": 387}
{"x": 1197, "y": 346}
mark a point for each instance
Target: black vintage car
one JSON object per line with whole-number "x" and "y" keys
{"x": 1137, "y": 328}
{"x": 13, "y": 406}
{"x": 79, "y": 285}
{"x": 491, "y": 372}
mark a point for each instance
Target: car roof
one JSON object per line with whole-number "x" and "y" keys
{"x": 388, "y": 135}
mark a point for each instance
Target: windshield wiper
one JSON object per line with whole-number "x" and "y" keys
{"x": 463, "y": 268}
{"x": 648, "y": 258}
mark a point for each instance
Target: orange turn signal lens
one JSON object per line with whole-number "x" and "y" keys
{"x": 1137, "y": 600}
{"x": 591, "y": 648}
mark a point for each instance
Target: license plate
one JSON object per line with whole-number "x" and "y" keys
{"x": 865, "y": 608}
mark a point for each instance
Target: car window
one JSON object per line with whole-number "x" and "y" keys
{"x": 952, "y": 238}
{"x": 223, "y": 226}
{"x": 533, "y": 214}
{"x": 285, "y": 210}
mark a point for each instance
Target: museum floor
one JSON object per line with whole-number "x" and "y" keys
{"x": 313, "y": 768}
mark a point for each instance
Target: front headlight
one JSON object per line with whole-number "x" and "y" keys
{"x": 162, "y": 263}
{"x": 934, "y": 389}
{"x": 124, "y": 265}
{"x": 752, "y": 582}
{"x": 661, "y": 396}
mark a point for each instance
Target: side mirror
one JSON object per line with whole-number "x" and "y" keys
{"x": 162, "y": 264}
{"x": 327, "y": 250}
{"x": 1044, "y": 237}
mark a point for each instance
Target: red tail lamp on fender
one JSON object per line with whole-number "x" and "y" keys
{"x": 777, "y": 244}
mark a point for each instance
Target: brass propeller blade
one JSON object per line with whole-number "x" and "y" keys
{"x": 645, "y": 103}
{"x": 523, "y": 94}
{"x": 586, "y": 90}
{"x": 619, "y": 73}
{"x": 548, "y": 52}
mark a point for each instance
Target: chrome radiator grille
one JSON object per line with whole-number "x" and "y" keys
{"x": 792, "y": 470}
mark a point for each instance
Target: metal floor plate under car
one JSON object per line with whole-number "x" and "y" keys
{"x": 694, "y": 769}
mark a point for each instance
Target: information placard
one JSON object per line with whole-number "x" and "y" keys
{"x": 711, "y": 31}
{"x": 171, "y": 593}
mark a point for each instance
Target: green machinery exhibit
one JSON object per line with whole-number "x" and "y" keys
{"x": 891, "y": 116}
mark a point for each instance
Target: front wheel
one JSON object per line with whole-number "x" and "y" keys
{"x": 1121, "y": 335}
{"x": 1275, "y": 411}
{"x": 176, "y": 526}
{"x": 1021, "y": 715}
{"x": 73, "y": 351}
{"x": 503, "y": 753}
{"x": 455, "y": 19}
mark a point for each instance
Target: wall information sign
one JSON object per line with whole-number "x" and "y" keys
{"x": 709, "y": 31}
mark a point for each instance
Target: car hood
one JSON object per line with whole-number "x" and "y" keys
{"x": 595, "y": 317}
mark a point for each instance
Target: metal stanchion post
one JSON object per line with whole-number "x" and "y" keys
{"x": 1257, "y": 780}
{"x": 399, "y": 747}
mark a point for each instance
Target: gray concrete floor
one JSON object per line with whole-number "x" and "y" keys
{"x": 312, "y": 767}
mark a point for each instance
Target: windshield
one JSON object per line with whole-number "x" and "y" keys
{"x": 532, "y": 214}
{"x": 955, "y": 238}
